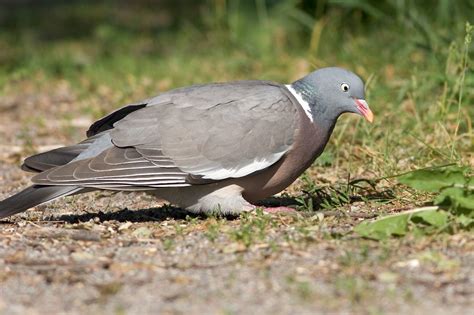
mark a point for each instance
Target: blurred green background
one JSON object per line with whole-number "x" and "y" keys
{"x": 414, "y": 56}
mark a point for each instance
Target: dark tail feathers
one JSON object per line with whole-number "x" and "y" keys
{"x": 33, "y": 196}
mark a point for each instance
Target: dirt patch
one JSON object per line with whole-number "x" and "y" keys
{"x": 92, "y": 254}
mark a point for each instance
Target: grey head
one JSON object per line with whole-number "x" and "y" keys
{"x": 330, "y": 92}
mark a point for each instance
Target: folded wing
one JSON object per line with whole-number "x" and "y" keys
{"x": 189, "y": 136}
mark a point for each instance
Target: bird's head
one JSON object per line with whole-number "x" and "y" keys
{"x": 330, "y": 92}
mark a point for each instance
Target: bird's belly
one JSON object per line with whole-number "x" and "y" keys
{"x": 276, "y": 178}
{"x": 219, "y": 197}
{"x": 310, "y": 140}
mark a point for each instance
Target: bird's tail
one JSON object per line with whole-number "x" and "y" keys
{"x": 34, "y": 196}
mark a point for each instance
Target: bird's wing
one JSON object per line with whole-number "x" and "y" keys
{"x": 191, "y": 136}
{"x": 108, "y": 121}
{"x": 61, "y": 156}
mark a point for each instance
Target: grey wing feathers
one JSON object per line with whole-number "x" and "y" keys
{"x": 108, "y": 121}
{"x": 217, "y": 131}
{"x": 115, "y": 167}
{"x": 187, "y": 136}
{"x": 33, "y": 196}
{"x": 60, "y": 156}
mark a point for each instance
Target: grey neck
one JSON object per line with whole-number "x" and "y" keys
{"x": 322, "y": 116}
{"x": 307, "y": 92}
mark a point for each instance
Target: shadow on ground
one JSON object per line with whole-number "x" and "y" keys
{"x": 166, "y": 212}
{"x": 142, "y": 215}
{"x": 163, "y": 213}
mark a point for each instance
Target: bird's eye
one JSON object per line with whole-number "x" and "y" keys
{"x": 345, "y": 87}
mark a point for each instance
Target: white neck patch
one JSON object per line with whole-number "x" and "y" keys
{"x": 301, "y": 101}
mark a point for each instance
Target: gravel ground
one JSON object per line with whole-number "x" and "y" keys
{"x": 67, "y": 257}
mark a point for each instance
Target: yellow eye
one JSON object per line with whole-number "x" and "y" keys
{"x": 345, "y": 87}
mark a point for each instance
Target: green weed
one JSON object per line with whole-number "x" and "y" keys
{"x": 453, "y": 210}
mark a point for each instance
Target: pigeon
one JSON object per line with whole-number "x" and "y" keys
{"x": 218, "y": 147}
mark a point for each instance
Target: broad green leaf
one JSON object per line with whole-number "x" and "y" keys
{"x": 397, "y": 224}
{"x": 466, "y": 201}
{"x": 434, "y": 217}
{"x": 464, "y": 220}
{"x": 456, "y": 196}
{"x": 418, "y": 231}
{"x": 435, "y": 179}
{"x": 385, "y": 227}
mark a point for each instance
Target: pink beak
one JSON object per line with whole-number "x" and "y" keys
{"x": 364, "y": 109}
